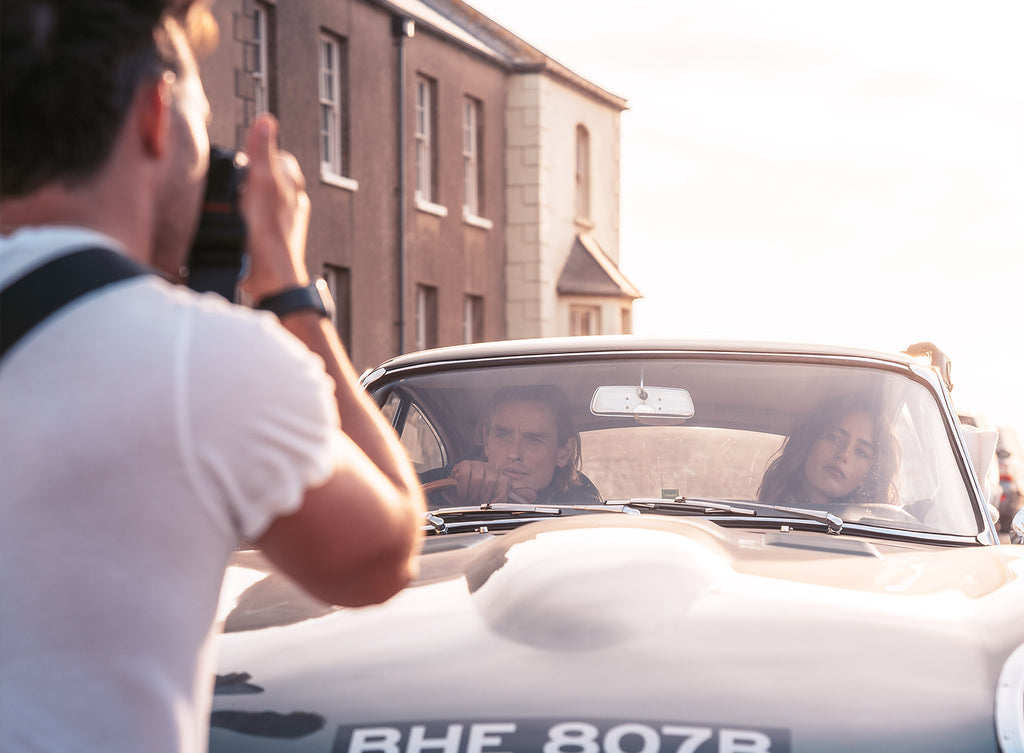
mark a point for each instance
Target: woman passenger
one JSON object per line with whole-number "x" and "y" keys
{"x": 843, "y": 452}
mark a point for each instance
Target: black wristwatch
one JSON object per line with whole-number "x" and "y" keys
{"x": 313, "y": 297}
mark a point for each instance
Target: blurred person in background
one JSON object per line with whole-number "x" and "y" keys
{"x": 1011, "y": 475}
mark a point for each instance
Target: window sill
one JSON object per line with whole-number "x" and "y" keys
{"x": 430, "y": 207}
{"x": 475, "y": 220}
{"x": 339, "y": 181}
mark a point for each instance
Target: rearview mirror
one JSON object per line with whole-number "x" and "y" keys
{"x": 642, "y": 402}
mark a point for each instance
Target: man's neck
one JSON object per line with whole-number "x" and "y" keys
{"x": 85, "y": 207}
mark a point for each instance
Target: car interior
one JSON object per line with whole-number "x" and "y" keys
{"x": 665, "y": 427}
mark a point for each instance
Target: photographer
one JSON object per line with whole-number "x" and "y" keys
{"x": 146, "y": 428}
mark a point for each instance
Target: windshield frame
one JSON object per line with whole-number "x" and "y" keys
{"x": 382, "y": 381}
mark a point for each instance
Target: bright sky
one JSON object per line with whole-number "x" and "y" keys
{"x": 845, "y": 173}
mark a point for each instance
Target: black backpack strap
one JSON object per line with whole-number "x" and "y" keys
{"x": 30, "y": 299}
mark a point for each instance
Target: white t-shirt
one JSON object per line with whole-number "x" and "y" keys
{"x": 143, "y": 430}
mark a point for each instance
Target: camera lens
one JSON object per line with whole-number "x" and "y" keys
{"x": 216, "y": 258}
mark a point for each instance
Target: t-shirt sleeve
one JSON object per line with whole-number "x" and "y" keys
{"x": 261, "y": 413}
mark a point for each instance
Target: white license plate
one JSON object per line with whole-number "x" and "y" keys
{"x": 558, "y": 736}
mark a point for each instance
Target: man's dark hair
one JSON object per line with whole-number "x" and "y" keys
{"x": 69, "y": 70}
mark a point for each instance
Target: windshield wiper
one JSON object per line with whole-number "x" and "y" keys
{"x": 683, "y": 505}
{"x": 834, "y": 522}
{"x": 437, "y": 520}
{"x": 507, "y": 513}
{"x": 715, "y": 507}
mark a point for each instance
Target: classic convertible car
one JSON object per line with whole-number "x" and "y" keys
{"x": 666, "y": 546}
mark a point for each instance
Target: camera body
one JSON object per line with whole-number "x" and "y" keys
{"x": 217, "y": 255}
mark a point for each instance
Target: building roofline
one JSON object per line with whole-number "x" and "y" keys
{"x": 557, "y": 70}
{"x": 589, "y": 271}
{"x": 495, "y": 43}
{"x": 474, "y": 44}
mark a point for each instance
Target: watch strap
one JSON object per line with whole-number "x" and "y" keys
{"x": 314, "y": 297}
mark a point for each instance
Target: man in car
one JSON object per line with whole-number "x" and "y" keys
{"x": 146, "y": 428}
{"x": 531, "y": 452}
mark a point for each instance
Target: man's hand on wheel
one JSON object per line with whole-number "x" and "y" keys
{"x": 478, "y": 482}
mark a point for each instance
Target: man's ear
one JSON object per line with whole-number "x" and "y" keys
{"x": 565, "y": 452}
{"x": 153, "y": 103}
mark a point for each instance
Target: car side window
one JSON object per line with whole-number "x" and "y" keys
{"x": 421, "y": 442}
{"x": 417, "y": 435}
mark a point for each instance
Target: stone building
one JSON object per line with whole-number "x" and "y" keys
{"x": 464, "y": 186}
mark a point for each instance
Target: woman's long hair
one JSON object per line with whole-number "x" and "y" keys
{"x": 783, "y": 480}
{"x": 551, "y": 397}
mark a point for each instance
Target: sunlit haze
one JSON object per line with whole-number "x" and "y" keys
{"x": 847, "y": 173}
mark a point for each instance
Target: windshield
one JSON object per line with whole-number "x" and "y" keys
{"x": 865, "y": 444}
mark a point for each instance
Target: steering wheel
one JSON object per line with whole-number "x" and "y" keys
{"x": 434, "y": 491}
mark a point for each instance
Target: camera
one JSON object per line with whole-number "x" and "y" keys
{"x": 217, "y": 255}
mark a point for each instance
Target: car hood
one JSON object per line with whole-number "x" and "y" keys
{"x": 827, "y": 642}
